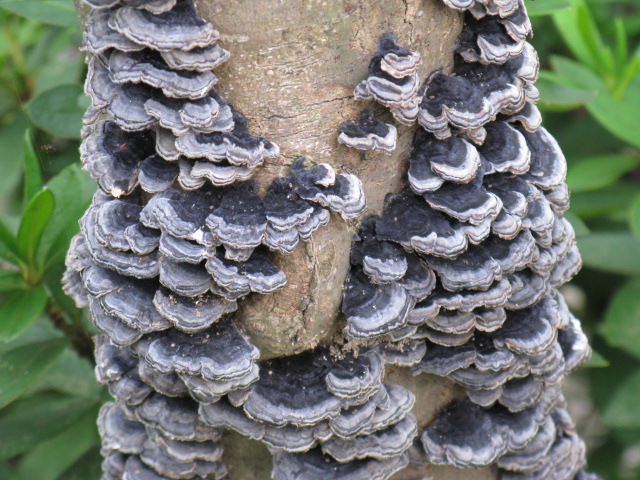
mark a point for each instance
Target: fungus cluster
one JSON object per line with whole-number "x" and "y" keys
{"x": 319, "y": 414}
{"x": 177, "y": 234}
{"x": 468, "y": 258}
{"x": 457, "y": 277}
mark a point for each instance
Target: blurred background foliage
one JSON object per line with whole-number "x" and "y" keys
{"x": 590, "y": 86}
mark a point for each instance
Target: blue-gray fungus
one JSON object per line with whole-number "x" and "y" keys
{"x": 368, "y": 133}
{"x": 458, "y": 276}
{"x": 482, "y": 209}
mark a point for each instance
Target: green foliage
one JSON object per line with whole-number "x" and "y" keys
{"x": 579, "y": 227}
{"x": 49, "y": 398}
{"x": 35, "y": 219}
{"x": 50, "y": 459}
{"x": 20, "y": 309}
{"x": 601, "y": 171}
{"x": 622, "y": 325}
{"x": 32, "y": 174}
{"x": 12, "y": 150}
{"x": 28, "y": 423}
{"x": 36, "y": 359}
{"x": 58, "y": 111}
{"x": 609, "y": 202}
{"x": 597, "y": 361}
{"x": 545, "y": 7}
{"x": 601, "y": 78}
{"x": 622, "y": 409}
{"x": 614, "y": 252}
{"x": 87, "y": 467}
{"x": 558, "y": 94}
{"x": 20, "y": 367}
{"x": 52, "y": 12}
{"x": 634, "y": 217}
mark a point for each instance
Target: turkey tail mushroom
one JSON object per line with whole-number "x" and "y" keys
{"x": 482, "y": 212}
{"x": 457, "y": 276}
{"x": 178, "y": 234}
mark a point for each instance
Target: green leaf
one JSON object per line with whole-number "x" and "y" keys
{"x": 598, "y": 172}
{"x": 577, "y": 75}
{"x": 607, "y": 201}
{"x": 6, "y": 470}
{"x": 57, "y": 111}
{"x": 54, "y": 60}
{"x": 591, "y": 35}
{"x": 87, "y": 468}
{"x": 35, "y": 219}
{"x": 568, "y": 26}
{"x": 51, "y": 458}
{"x": 72, "y": 375}
{"x": 10, "y": 281}
{"x": 556, "y": 94}
{"x": 22, "y": 366}
{"x": 19, "y": 309}
{"x": 596, "y": 361}
{"x": 37, "y": 332}
{"x": 622, "y": 44}
{"x": 579, "y": 227}
{"x": 581, "y": 136}
{"x": 13, "y": 153}
{"x": 545, "y": 7}
{"x": 32, "y": 173}
{"x": 622, "y": 410}
{"x": 52, "y": 12}
{"x": 621, "y": 327}
{"x": 634, "y": 217}
{"x": 72, "y": 190}
{"x": 628, "y": 74}
{"x": 31, "y": 421}
{"x": 580, "y": 33}
{"x": 9, "y": 250}
{"x": 620, "y": 117}
{"x": 617, "y": 115}
{"x": 615, "y": 252}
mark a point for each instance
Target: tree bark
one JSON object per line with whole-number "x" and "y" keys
{"x": 293, "y": 69}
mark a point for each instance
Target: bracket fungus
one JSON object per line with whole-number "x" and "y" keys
{"x": 485, "y": 217}
{"x": 456, "y": 276}
{"x": 368, "y": 133}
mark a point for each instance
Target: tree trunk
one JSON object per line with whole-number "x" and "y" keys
{"x": 292, "y": 72}
{"x": 293, "y": 69}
